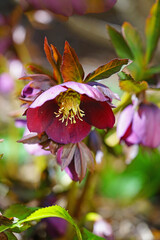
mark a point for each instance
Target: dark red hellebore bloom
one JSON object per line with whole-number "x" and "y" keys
{"x": 67, "y": 111}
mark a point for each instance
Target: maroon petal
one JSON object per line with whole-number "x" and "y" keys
{"x": 40, "y": 117}
{"x": 98, "y": 114}
{"x": 72, "y": 133}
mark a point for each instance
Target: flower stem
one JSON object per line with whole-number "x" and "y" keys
{"x": 86, "y": 195}
{"x": 72, "y": 197}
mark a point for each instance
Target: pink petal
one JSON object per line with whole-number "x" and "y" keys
{"x": 151, "y": 113}
{"x": 40, "y": 117}
{"x": 98, "y": 114}
{"x": 124, "y": 121}
{"x": 83, "y": 88}
{"x": 72, "y": 133}
{"x": 105, "y": 90}
{"x": 49, "y": 94}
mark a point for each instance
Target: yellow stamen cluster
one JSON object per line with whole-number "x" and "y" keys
{"x": 69, "y": 102}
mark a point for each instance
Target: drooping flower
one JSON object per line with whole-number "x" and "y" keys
{"x": 74, "y": 159}
{"x": 67, "y": 111}
{"x": 70, "y": 7}
{"x": 140, "y": 126}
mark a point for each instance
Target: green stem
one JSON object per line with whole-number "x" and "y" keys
{"x": 86, "y": 195}
{"x": 72, "y": 197}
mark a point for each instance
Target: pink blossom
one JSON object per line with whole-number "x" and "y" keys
{"x": 140, "y": 126}
{"x": 70, "y": 7}
{"x": 6, "y": 83}
{"x": 103, "y": 229}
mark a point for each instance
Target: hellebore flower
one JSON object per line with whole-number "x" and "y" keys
{"x": 74, "y": 159}
{"x": 38, "y": 84}
{"x": 141, "y": 126}
{"x": 70, "y": 7}
{"x": 67, "y": 111}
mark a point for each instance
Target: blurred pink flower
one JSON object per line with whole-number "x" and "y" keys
{"x": 140, "y": 126}
{"x": 35, "y": 148}
{"x": 6, "y": 83}
{"x": 70, "y": 7}
{"x": 103, "y": 229}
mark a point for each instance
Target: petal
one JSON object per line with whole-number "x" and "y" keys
{"x": 83, "y": 88}
{"x": 98, "y": 114}
{"x": 49, "y": 94}
{"x": 70, "y": 170}
{"x": 80, "y": 163}
{"x": 72, "y": 133}
{"x": 40, "y": 117}
{"x": 29, "y": 91}
{"x": 36, "y": 149}
{"x": 151, "y": 113}
{"x": 124, "y": 121}
{"x": 138, "y": 127}
{"x": 132, "y": 139}
{"x": 105, "y": 90}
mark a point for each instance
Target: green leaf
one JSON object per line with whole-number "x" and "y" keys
{"x": 53, "y": 211}
{"x": 124, "y": 76}
{"x": 107, "y": 70}
{"x": 10, "y": 235}
{"x": 121, "y": 47}
{"x": 152, "y": 30}
{"x": 71, "y": 68}
{"x": 90, "y": 236}
{"x": 134, "y": 41}
{"x": 153, "y": 70}
{"x": 19, "y": 211}
{"x": 132, "y": 86}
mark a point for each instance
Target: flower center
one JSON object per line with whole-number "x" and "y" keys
{"x": 69, "y": 102}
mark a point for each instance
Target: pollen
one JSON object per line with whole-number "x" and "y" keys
{"x": 69, "y": 109}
